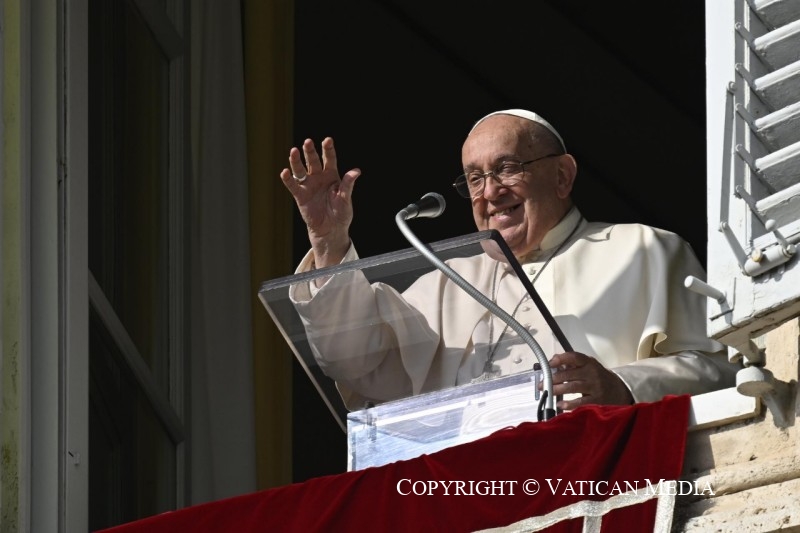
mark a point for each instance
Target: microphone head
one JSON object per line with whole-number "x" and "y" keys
{"x": 440, "y": 204}
{"x": 430, "y": 205}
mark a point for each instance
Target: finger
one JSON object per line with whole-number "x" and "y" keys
{"x": 568, "y": 359}
{"x": 349, "y": 181}
{"x": 573, "y": 387}
{"x": 558, "y": 360}
{"x": 328, "y": 154}
{"x": 289, "y": 181}
{"x": 569, "y": 405}
{"x": 564, "y": 375}
{"x": 313, "y": 163}
{"x": 296, "y": 167}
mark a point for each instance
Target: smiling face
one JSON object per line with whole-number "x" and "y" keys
{"x": 525, "y": 212}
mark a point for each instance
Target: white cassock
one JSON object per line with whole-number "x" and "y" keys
{"x": 615, "y": 290}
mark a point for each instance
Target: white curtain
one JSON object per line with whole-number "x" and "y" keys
{"x": 223, "y": 459}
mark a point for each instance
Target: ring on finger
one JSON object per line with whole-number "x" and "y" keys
{"x": 300, "y": 179}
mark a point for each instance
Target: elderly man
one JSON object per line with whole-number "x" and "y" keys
{"x": 616, "y": 290}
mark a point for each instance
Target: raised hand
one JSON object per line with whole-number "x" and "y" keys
{"x": 323, "y": 198}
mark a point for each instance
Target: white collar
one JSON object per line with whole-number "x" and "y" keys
{"x": 556, "y": 236}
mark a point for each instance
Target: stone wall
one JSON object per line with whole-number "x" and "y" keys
{"x": 753, "y": 466}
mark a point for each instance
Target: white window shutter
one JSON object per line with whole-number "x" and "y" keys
{"x": 753, "y": 169}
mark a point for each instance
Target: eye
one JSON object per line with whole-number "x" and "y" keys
{"x": 474, "y": 178}
{"x": 508, "y": 169}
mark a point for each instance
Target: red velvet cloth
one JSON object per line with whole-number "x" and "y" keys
{"x": 591, "y": 444}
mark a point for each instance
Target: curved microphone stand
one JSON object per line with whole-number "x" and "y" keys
{"x": 431, "y": 206}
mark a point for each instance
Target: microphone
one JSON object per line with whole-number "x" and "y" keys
{"x": 430, "y": 205}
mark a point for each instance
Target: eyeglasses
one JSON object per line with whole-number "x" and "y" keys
{"x": 507, "y": 174}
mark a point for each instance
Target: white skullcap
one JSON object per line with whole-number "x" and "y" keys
{"x": 530, "y": 115}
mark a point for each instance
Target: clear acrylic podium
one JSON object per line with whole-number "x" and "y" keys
{"x": 403, "y": 425}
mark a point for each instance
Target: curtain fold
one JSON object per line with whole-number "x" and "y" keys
{"x": 222, "y": 450}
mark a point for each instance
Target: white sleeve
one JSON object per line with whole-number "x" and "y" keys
{"x": 690, "y": 372}
{"x": 303, "y": 292}
{"x": 366, "y": 337}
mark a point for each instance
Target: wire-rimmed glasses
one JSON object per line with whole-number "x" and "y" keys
{"x": 507, "y": 174}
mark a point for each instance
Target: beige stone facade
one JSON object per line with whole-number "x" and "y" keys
{"x": 753, "y": 466}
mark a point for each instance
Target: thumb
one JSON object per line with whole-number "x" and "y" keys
{"x": 349, "y": 181}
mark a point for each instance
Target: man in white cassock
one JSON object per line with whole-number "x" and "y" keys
{"x": 616, "y": 290}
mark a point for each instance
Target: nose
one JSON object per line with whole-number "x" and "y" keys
{"x": 492, "y": 187}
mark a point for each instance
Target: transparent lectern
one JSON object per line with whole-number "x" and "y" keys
{"x": 359, "y": 329}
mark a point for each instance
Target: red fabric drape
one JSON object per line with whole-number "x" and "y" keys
{"x": 584, "y": 454}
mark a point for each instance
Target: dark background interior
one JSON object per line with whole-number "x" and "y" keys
{"x": 398, "y": 84}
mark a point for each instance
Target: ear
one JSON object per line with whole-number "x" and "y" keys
{"x": 567, "y": 170}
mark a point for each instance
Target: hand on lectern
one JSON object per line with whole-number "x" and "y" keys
{"x": 577, "y": 373}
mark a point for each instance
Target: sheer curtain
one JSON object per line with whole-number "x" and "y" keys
{"x": 222, "y": 454}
